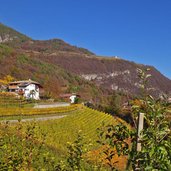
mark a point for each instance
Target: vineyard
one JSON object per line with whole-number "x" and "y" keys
{"x": 16, "y": 111}
{"x": 85, "y": 139}
{"x": 10, "y": 100}
{"x": 12, "y": 106}
{"x": 64, "y": 130}
{"x": 55, "y": 134}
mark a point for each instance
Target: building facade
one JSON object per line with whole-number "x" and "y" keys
{"x": 26, "y": 88}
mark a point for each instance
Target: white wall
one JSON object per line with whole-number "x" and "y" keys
{"x": 28, "y": 89}
{"x": 72, "y": 98}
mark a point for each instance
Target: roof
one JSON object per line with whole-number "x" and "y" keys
{"x": 68, "y": 95}
{"x": 65, "y": 95}
{"x": 24, "y": 83}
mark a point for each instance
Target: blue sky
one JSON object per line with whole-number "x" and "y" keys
{"x": 136, "y": 30}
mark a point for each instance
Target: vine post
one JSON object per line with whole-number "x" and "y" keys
{"x": 139, "y": 137}
{"x": 139, "y": 130}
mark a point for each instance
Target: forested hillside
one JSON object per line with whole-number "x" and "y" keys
{"x": 55, "y": 80}
{"x": 63, "y": 68}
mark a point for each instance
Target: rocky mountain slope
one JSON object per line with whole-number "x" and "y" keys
{"x": 10, "y": 35}
{"x": 57, "y": 62}
{"x": 110, "y": 73}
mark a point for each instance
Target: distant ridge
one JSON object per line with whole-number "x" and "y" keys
{"x": 16, "y": 39}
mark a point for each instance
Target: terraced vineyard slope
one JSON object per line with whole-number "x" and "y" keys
{"x": 18, "y": 108}
{"x": 60, "y": 131}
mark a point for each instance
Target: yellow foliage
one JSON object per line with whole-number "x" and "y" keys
{"x": 7, "y": 94}
{"x": 6, "y": 79}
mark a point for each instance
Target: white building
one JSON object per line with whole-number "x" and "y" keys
{"x": 27, "y": 88}
{"x": 70, "y": 96}
{"x": 73, "y": 98}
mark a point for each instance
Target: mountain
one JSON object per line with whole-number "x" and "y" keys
{"x": 8, "y": 34}
{"x": 18, "y": 40}
{"x": 110, "y": 73}
{"x": 61, "y": 67}
{"x": 54, "y": 79}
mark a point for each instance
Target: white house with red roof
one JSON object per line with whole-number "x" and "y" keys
{"x": 26, "y": 88}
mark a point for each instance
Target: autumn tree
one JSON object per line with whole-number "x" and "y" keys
{"x": 6, "y": 80}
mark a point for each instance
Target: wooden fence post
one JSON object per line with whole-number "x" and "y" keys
{"x": 140, "y": 128}
{"x": 139, "y": 136}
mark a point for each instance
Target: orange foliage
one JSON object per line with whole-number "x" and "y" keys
{"x": 97, "y": 158}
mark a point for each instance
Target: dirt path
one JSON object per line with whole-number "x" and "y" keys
{"x": 34, "y": 119}
{"x": 58, "y": 104}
